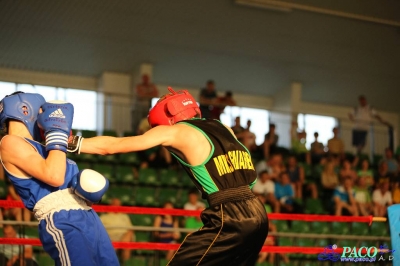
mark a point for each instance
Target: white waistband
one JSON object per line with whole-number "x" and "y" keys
{"x": 60, "y": 200}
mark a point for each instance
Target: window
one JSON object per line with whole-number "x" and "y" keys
{"x": 316, "y": 123}
{"x": 85, "y": 102}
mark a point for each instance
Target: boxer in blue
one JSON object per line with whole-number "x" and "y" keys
{"x": 49, "y": 184}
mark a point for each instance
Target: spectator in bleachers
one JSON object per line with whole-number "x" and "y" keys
{"x": 343, "y": 197}
{"x": 156, "y": 157}
{"x": 270, "y": 141}
{"x": 383, "y": 173}
{"x": 392, "y": 165}
{"x": 167, "y": 221}
{"x": 221, "y": 103}
{"x": 111, "y": 220}
{"x": 366, "y": 173}
{"x": 382, "y": 198}
{"x": 284, "y": 194}
{"x": 144, "y": 126}
{"x": 363, "y": 197}
{"x": 10, "y": 255}
{"x": 317, "y": 150}
{"x": 270, "y": 241}
{"x": 299, "y": 147}
{"x": 273, "y": 165}
{"x": 298, "y": 180}
{"x": 396, "y": 193}
{"x": 144, "y": 92}
{"x": 347, "y": 171}
{"x": 248, "y": 138}
{"x": 329, "y": 177}
{"x": 237, "y": 128}
{"x": 208, "y": 97}
{"x": 194, "y": 222}
{"x": 193, "y": 201}
{"x": 335, "y": 145}
{"x": 19, "y": 214}
{"x": 265, "y": 187}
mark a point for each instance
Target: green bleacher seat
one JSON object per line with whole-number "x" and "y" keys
{"x": 281, "y": 225}
{"x": 340, "y": 228}
{"x": 142, "y": 219}
{"x": 320, "y": 227}
{"x": 314, "y": 206}
{"x": 88, "y": 157}
{"x": 169, "y": 177}
{"x": 106, "y": 170}
{"x": 146, "y": 196}
{"x": 321, "y": 242}
{"x": 3, "y": 189}
{"x": 44, "y": 259}
{"x": 361, "y": 229}
{"x": 130, "y": 158}
{"x": 379, "y": 229}
{"x": 142, "y": 236}
{"x": 83, "y": 165}
{"x": 148, "y": 176}
{"x": 347, "y": 243}
{"x": 125, "y": 174}
{"x": 124, "y": 193}
{"x": 31, "y": 232}
{"x": 285, "y": 241}
{"x": 186, "y": 181}
{"x": 136, "y": 261}
{"x": 300, "y": 227}
{"x": 167, "y": 194}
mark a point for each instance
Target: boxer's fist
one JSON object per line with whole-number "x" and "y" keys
{"x": 89, "y": 185}
{"x": 56, "y": 122}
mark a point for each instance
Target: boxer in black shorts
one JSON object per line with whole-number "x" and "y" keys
{"x": 235, "y": 224}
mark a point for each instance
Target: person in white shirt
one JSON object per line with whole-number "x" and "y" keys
{"x": 382, "y": 198}
{"x": 265, "y": 187}
{"x": 193, "y": 204}
{"x": 362, "y": 116}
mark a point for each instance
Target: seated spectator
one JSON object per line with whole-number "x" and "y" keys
{"x": 167, "y": 221}
{"x": 193, "y": 201}
{"x": 270, "y": 241}
{"x": 284, "y": 194}
{"x": 383, "y": 173}
{"x": 10, "y": 255}
{"x": 343, "y": 198}
{"x": 156, "y": 157}
{"x": 237, "y": 128}
{"x": 381, "y": 198}
{"x": 16, "y": 213}
{"x": 273, "y": 165}
{"x": 367, "y": 173}
{"x": 363, "y": 197}
{"x": 297, "y": 178}
{"x": 111, "y": 220}
{"x": 266, "y": 187}
{"x": 194, "y": 222}
{"x": 335, "y": 145}
{"x": 347, "y": 171}
{"x": 392, "y": 165}
{"x": 317, "y": 150}
{"x": 329, "y": 177}
{"x": 270, "y": 141}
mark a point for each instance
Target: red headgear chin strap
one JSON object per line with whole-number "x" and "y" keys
{"x": 173, "y": 107}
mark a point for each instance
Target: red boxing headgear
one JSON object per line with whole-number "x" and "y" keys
{"x": 173, "y": 107}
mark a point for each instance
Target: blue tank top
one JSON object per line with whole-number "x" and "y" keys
{"x": 31, "y": 190}
{"x": 168, "y": 225}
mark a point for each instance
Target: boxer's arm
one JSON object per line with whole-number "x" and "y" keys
{"x": 160, "y": 135}
{"x": 21, "y": 159}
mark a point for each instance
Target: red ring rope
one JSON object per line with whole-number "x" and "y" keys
{"x": 180, "y": 212}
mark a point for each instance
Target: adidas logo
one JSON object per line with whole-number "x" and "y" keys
{"x": 57, "y": 113}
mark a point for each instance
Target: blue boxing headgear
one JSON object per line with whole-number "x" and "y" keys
{"x": 23, "y": 107}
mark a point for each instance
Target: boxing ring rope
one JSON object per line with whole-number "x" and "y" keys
{"x": 180, "y": 212}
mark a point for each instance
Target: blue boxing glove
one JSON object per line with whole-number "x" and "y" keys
{"x": 56, "y": 122}
{"x": 89, "y": 185}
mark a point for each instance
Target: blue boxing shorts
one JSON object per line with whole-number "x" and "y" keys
{"x": 74, "y": 235}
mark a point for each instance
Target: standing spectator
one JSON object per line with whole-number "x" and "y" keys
{"x": 11, "y": 255}
{"x": 266, "y": 187}
{"x": 284, "y": 193}
{"x": 382, "y": 198}
{"x": 193, "y": 201}
{"x": 317, "y": 150}
{"x": 208, "y": 97}
{"x": 270, "y": 141}
{"x": 237, "y": 128}
{"x": 366, "y": 173}
{"x": 248, "y": 138}
{"x": 221, "y": 103}
{"x": 299, "y": 147}
{"x": 144, "y": 92}
{"x": 167, "y": 221}
{"x": 393, "y": 166}
{"x": 363, "y": 197}
{"x": 362, "y": 116}
{"x": 336, "y": 145}
{"x": 111, "y": 221}
{"x": 343, "y": 198}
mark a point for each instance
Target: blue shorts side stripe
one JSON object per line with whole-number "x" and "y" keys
{"x": 58, "y": 238}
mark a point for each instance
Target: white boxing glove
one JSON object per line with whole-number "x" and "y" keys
{"x": 89, "y": 185}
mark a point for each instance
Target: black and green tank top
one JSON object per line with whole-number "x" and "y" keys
{"x": 229, "y": 164}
